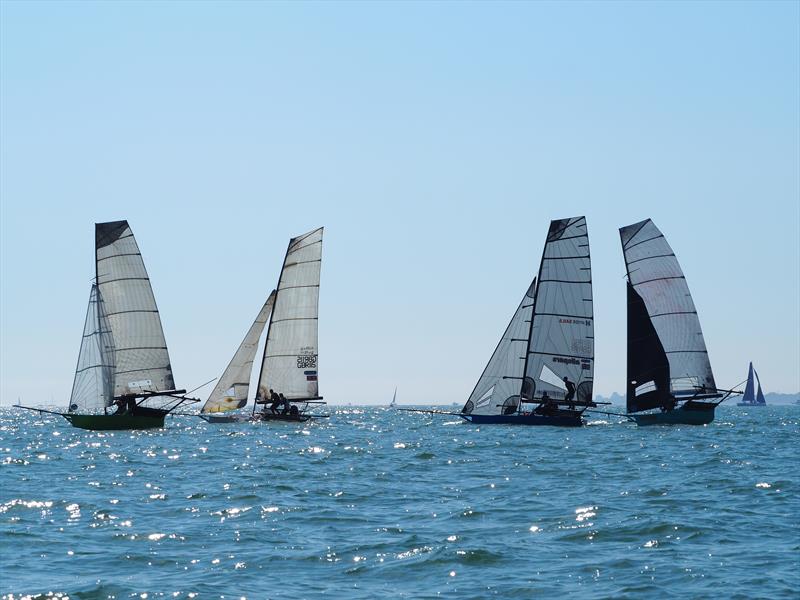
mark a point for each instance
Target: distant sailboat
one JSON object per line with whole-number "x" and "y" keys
{"x": 123, "y": 358}
{"x": 669, "y": 374}
{"x": 289, "y": 362}
{"x": 749, "y": 399}
{"x": 541, "y": 372}
{"x": 393, "y": 403}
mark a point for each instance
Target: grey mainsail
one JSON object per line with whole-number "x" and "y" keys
{"x": 499, "y": 384}
{"x": 667, "y": 356}
{"x": 231, "y": 390}
{"x": 93, "y": 386}
{"x": 550, "y": 338}
{"x": 289, "y": 364}
{"x": 561, "y": 341}
{"x": 142, "y": 360}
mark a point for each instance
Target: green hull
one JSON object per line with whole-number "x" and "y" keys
{"x": 117, "y": 422}
{"x": 699, "y": 414}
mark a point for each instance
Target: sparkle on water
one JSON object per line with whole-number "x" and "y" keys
{"x": 374, "y": 502}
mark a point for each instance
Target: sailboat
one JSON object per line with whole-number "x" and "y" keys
{"x": 670, "y": 380}
{"x": 289, "y": 362}
{"x": 123, "y": 357}
{"x": 541, "y": 371}
{"x": 749, "y": 398}
{"x": 393, "y": 403}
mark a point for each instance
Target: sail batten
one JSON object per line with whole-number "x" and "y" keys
{"x": 667, "y": 355}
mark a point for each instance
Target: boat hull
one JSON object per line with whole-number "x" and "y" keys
{"x": 296, "y": 418}
{"x": 554, "y": 420}
{"x": 211, "y": 418}
{"x": 151, "y": 420}
{"x": 694, "y": 413}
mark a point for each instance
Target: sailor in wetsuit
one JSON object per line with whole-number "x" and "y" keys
{"x": 275, "y": 400}
{"x": 286, "y": 405}
{"x": 570, "y": 392}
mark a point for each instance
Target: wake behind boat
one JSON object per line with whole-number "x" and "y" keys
{"x": 288, "y": 387}
{"x": 670, "y": 380}
{"x": 123, "y": 359}
{"x": 542, "y": 370}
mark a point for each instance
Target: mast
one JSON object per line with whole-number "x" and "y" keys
{"x": 269, "y": 327}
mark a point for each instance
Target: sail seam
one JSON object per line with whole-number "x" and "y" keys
{"x": 122, "y": 312}
{"x": 121, "y": 254}
{"x": 124, "y": 279}
{"x": 630, "y": 262}
{"x": 644, "y": 241}
{"x": 294, "y": 287}
{"x": 565, "y": 257}
{"x": 682, "y": 312}
{"x": 296, "y": 319}
{"x": 544, "y": 314}
{"x": 565, "y": 355}
{"x": 562, "y": 281}
{"x": 659, "y": 279}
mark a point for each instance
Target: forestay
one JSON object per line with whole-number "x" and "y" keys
{"x": 231, "y": 390}
{"x": 93, "y": 387}
{"x": 142, "y": 359}
{"x": 667, "y": 354}
{"x": 499, "y": 384}
{"x": 290, "y": 353}
{"x": 561, "y": 343}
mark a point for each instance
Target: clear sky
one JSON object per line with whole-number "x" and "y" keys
{"x": 434, "y": 141}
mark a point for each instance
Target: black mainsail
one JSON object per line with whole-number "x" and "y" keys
{"x": 667, "y": 357}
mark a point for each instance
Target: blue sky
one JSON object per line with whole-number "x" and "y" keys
{"x": 434, "y": 141}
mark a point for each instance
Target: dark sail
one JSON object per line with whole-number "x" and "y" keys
{"x": 749, "y": 391}
{"x": 648, "y": 367}
{"x": 661, "y": 289}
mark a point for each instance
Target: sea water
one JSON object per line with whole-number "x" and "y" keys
{"x": 376, "y": 503}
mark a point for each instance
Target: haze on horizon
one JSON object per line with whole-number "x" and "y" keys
{"x": 434, "y": 141}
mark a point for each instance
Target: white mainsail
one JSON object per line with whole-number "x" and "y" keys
{"x": 656, "y": 279}
{"x": 499, "y": 385}
{"x": 290, "y": 353}
{"x": 561, "y": 342}
{"x": 231, "y": 390}
{"x": 142, "y": 359}
{"x": 93, "y": 387}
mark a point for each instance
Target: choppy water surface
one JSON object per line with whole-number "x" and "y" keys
{"x": 374, "y": 503}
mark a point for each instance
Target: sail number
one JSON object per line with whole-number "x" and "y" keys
{"x": 307, "y": 361}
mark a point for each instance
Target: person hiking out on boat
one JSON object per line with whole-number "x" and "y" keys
{"x": 570, "y": 392}
{"x": 276, "y": 401}
{"x": 285, "y": 402}
{"x": 121, "y": 406}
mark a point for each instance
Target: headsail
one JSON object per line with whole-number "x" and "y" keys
{"x": 750, "y": 389}
{"x": 667, "y": 356}
{"x": 230, "y": 392}
{"x": 290, "y": 353}
{"x": 499, "y": 384}
{"x": 759, "y": 394}
{"x": 142, "y": 359}
{"x": 93, "y": 387}
{"x": 561, "y": 341}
